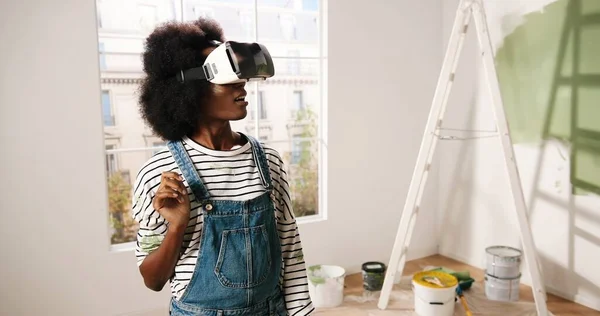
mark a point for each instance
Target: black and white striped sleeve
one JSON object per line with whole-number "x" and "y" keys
{"x": 152, "y": 226}
{"x": 295, "y": 281}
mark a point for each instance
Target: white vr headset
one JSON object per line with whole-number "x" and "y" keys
{"x": 233, "y": 62}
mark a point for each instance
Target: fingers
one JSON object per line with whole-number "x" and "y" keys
{"x": 169, "y": 194}
{"x": 174, "y": 185}
{"x": 162, "y": 197}
{"x": 171, "y": 175}
{"x": 174, "y": 181}
{"x": 171, "y": 187}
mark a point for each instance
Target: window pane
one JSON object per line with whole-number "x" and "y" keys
{"x": 296, "y": 67}
{"x": 134, "y": 16}
{"x": 292, "y": 100}
{"x": 120, "y": 185}
{"x": 289, "y": 108}
{"x": 102, "y": 56}
{"x": 301, "y": 157}
{"x": 235, "y": 17}
{"x": 308, "y": 5}
{"x": 281, "y": 23}
{"x": 107, "y": 113}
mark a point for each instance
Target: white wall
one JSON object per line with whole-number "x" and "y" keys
{"x": 383, "y": 56}
{"x": 477, "y": 204}
{"x": 383, "y": 64}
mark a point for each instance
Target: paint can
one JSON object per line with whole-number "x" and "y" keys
{"x": 373, "y": 274}
{"x": 326, "y": 285}
{"x": 434, "y": 299}
{"x": 502, "y": 289}
{"x": 503, "y": 262}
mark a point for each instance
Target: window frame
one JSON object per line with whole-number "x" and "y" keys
{"x": 320, "y": 105}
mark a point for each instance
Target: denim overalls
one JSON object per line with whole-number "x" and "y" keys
{"x": 238, "y": 267}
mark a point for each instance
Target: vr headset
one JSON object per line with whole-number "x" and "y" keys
{"x": 232, "y": 62}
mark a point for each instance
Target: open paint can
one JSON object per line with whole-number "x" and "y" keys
{"x": 503, "y": 262}
{"x": 373, "y": 274}
{"x": 326, "y": 285}
{"x": 434, "y": 293}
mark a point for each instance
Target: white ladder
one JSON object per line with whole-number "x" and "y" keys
{"x": 466, "y": 10}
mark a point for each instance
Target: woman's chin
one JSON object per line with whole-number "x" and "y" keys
{"x": 239, "y": 116}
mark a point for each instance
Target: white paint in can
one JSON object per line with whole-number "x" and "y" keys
{"x": 503, "y": 262}
{"x": 326, "y": 285}
{"x": 499, "y": 289}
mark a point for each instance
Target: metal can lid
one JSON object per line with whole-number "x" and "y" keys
{"x": 504, "y": 251}
{"x": 373, "y": 267}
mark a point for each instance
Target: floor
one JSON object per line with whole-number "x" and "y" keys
{"x": 558, "y": 306}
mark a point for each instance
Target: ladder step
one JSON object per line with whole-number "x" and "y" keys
{"x": 586, "y": 235}
{"x": 590, "y": 19}
{"x": 581, "y": 184}
{"x": 582, "y": 80}
{"x": 587, "y": 133}
{"x": 586, "y": 139}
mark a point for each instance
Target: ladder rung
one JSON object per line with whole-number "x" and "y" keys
{"x": 587, "y": 133}
{"x": 586, "y": 235}
{"x": 581, "y": 184}
{"x": 586, "y": 139}
{"x": 582, "y": 80}
{"x": 590, "y": 19}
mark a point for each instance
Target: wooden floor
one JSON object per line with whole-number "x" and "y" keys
{"x": 558, "y": 306}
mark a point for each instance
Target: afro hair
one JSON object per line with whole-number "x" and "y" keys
{"x": 171, "y": 108}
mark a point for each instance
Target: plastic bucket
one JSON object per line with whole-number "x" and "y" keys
{"x": 499, "y": 289}
{"x": 326, "y": 285}
{"x": 432, "y": 299}
{"x": 503, "y": 262}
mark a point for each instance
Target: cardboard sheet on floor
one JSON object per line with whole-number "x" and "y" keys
{"x": 402, "y": 303}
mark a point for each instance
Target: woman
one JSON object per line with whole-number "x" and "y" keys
{"x": 228, "y": 243}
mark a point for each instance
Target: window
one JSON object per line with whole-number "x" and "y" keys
{"x": 310, "y": 5}
{"x": 203, "y": 12}
{"x": 129, "y": 142}
{"x": 147, "y": 17}
{"x": 296, "y": 150}
{"x": 294, "y": 64}
{"x": 262, "y": 108}
{"x": 297, "y": 104}
{"x": 107, "y": 113}
{"x": 298, "y": 101}
{"x": 111, "y": 160}
{"x": 288, "y": 26}
{"x": 102, "y": 54}
{"x": 247, "y": 21}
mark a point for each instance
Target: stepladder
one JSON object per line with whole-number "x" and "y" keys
{"x": 467, "y": 10}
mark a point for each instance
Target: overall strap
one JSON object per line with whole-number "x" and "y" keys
{"x": 185, "y": 164}
{"x": 260, "y": 159}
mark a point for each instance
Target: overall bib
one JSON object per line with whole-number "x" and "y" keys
{"x": 239, "y": 264}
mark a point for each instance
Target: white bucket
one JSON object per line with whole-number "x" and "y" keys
{"x": 498, "y": 289}
{"x": 431, "y": 300}
{"x": 326, "y": 285}
{"x": 503, "y": 262}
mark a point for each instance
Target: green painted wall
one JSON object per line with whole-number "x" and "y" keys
{"x": 539, "y": 100}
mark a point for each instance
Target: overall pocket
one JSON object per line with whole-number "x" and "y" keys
{"x": 244, "y": 257}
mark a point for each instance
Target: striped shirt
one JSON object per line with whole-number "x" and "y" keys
{"x": 227, "y": 175}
